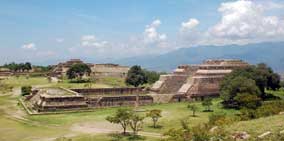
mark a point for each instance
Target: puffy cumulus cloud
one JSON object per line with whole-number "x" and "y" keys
{"x": 244, "y": 19}
{"x": 29, "y": 46}
{"x": 151, "y": 34}
{"x": 190, "y": 24}
{"x": 92, "y": 41}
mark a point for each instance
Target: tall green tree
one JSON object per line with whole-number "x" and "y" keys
{"x": 233, "y": 89}
{"x": 152, "y": 76}
{"x": 155, "y": 115}
{"x": 136, "y": 76}
{"x": 122, "y": 117}
{"x": 78, "y": 71}
{"x": 263, "y": 76}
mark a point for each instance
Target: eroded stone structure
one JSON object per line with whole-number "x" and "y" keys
{"x": 109, "y": 70}
{"x": 4, "y": 73}
{"x": 197, "y": 81}
{"x": 98, "y": 70}
{"x": 58, "y": 99}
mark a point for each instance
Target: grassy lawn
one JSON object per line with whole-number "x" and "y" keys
{"x": 59, "y": 125}
{"x": 42, "y": 81}
{"x": 258, "y": 126}
{"x": 22, "y": 81}
{"x": 104, "y": 137}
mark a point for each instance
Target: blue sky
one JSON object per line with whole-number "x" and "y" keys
{"x": 43, "y": 30}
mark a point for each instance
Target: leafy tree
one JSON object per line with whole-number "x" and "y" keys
{"x": 263, "y": 76}
{"x": 136, "y": 122}
{"x": 207, "y": 102}
{"x": 19, "y": 67}
{"x": 230, "y": 88}
{"x": 152, "y": 76}
{"x": 193, "y": 108}
{"x": 27, "y": 66}
{"x": 136, "y": 76}
{"x": 122, "y": 117}
{"x": 26, "y": 90}
{"x": 155, "y": 115}
{"x": 273, "y": 81}
{"x": 78, "y": 71}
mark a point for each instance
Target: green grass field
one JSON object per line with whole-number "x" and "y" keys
{"x": 15, "y": 124}
{"x": 43, "y": 82}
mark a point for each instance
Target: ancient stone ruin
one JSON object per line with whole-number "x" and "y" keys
{"x": 196, "y": 81}
{"x": 58, "y": 99}
{"x": 4, "y": 73}
{"x": 98, "y": 70}
{"x": 185, "y": 83}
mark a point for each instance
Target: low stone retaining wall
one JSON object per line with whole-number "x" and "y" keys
{"x": 109, "y": 91}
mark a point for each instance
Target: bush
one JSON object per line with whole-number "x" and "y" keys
{"x": 247, "y": 114}
{"x": 219, "y": 119}
{"x": 267, "y": 109}
{"x": 270, "y": 108}
{"x": 26, "y": 90}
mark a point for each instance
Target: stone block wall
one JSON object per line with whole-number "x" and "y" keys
{"x": 108, "y": 91}
{"x": 123, "y": 101}
{"x": 45, "y": 104}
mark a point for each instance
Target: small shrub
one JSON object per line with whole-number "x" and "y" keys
{"x": 247, "y": 114}
{"x": 26, "y": 90}
{"x": 267, "y": 109}
{"x": 270, "y": 108}
{"x": 219, "y": 119}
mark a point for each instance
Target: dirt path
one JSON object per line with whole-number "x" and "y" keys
{"x": 105, "y": 128}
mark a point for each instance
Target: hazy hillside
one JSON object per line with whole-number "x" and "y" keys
{"x": 270, "y": 53}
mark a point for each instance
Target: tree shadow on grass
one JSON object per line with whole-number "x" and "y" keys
{"x": 157, "y": 126}
{"x": 195, "y": 116}
{"x": 208, "y": 111}
{"x": 126, "y": 137}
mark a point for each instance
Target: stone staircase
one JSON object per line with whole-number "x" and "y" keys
{"x": 172, "y": 84}
{"x": 186, "y": 86}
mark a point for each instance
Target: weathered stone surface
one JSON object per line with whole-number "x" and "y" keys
{"x": 98, "y": 70}
{"x": 53, "y": 99}
{"x": 197, "y": 80}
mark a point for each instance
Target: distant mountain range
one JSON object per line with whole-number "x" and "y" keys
{"x": 269, "y": 53}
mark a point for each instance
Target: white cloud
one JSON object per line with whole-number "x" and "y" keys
{"x": 29, "y": 46}
{"x": 246, "y": 19}
{"x": 59, "y": 40}
{"x": 151, "y": 34}
{"x": 190, "y": 24}
{"x": 92, "y": 41}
